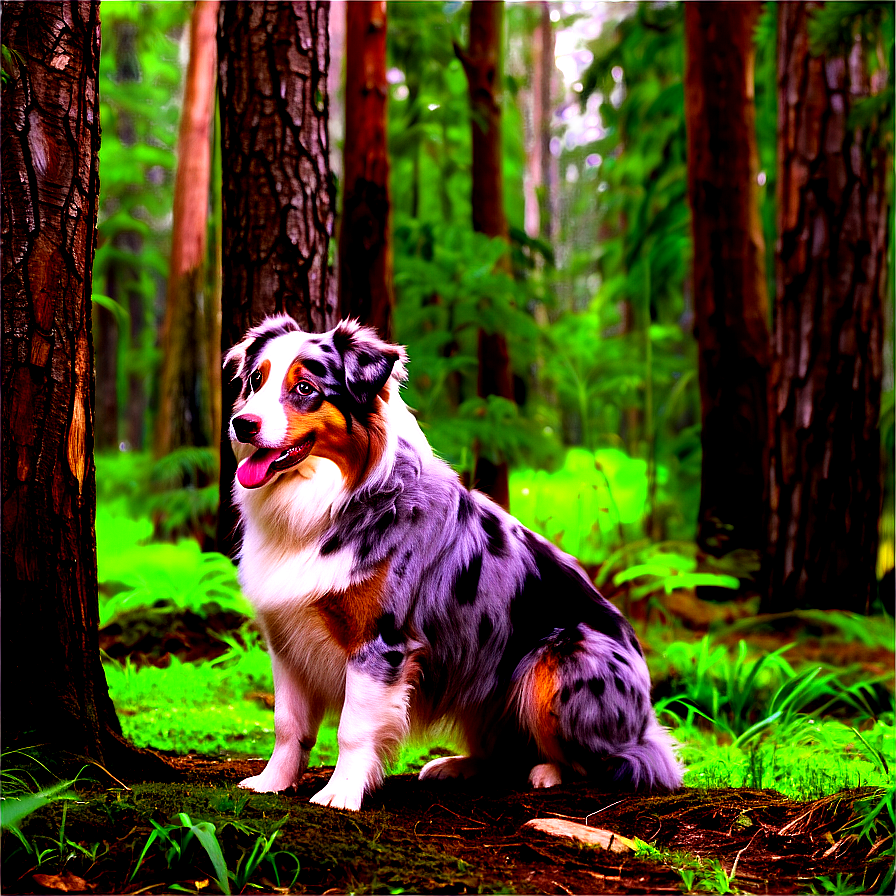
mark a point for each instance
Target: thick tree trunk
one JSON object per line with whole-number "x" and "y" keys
{"x": 825, "y": 476}
{"x": 54, "y": 689}
{"x": 365, "y": 246}
{"x": 482, "y": 65}
{"x": 730, "y": 299}
{"x": 277, "y": 191}
{"x": 185, "y": 415}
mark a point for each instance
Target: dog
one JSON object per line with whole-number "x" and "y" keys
{"x": 389, "y": 592}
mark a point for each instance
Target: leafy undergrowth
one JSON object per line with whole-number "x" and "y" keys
{"x": 206, "y": 835}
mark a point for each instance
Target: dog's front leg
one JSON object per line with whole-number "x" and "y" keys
{"x": 374, "y": 720}
{"x": 297, "y": 718}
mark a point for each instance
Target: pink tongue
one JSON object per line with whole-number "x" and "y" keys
{"x": 253, "y": 471}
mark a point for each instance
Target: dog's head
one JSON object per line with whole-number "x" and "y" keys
{"x": 306, "y": 394}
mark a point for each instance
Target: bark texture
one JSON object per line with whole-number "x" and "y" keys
{"x": 482, "y": 65}
{"x": 277, "y": 191}
{"x": 730, "y": 298}
{"x": 365, "y": 246}
{"x": 189, "y": 345}
{"x": 825, "y": 481}
{"x": 54, "y": 690}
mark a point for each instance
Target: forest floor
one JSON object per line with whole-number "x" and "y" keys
{"x": 430, "y": 837}
{"x": 447, "y": 837}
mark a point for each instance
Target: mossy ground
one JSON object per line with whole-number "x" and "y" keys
{"x": 442, "y": 837}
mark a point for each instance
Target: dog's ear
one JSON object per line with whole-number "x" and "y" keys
{"x": 368, "y": 362}
{"x": 235, "y": 359}
{"x": 239, "y": 359}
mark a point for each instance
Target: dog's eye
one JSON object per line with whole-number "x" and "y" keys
{"x": 255, "y": 379}
{"x": 303, "y": 387}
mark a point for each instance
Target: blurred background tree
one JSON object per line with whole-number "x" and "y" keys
{"x": 730, "y": 300}
{"x": 365, "y": 232}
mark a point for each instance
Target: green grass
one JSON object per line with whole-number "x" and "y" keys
{"x": 816, "y": 759}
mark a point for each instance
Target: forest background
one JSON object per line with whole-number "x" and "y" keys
{"x": 706, "y": 423}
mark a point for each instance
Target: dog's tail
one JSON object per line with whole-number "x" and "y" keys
{"x": 650, "y": 763}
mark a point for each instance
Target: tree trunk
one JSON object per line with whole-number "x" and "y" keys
{"x": 482, "y": 65}
{"x": 277, "y": 191}
{"x": 109, "y": 340}
{"x": 730, "y": 299}
{"x": 122, "y": 274}
{"x": 184, "y": 415}
{"x": 365, "y": 245}
{"x": 105, "y": 325}
{"x": 549, "y": 216}
{"x": 825, "y": 475}
{"x": 54, "y": 690}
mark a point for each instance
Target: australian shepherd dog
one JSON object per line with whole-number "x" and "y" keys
{"x": 391, "y": 594}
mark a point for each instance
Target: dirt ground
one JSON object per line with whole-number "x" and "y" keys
{"x": 764, "y": 843}
{"x": 447, "y": 837}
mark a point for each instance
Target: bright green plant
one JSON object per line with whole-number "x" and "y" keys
{"x": 176, "y": 840}
{"x": 698, "y": 873}
{"x": 19, "y": 801}
{"x": 807, "y": 760}
{"x": 743, "y": 697}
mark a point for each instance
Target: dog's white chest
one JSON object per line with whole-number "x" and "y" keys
{"x": 273, "y": 579}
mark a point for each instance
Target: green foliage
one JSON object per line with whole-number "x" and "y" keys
{"x": 176, "y": 496}
{"x": 21, "y": 800}
{"x": 641, "y": 177}
{"x": 195, "y": 707}
{"x": 745, "y": 698}
{"x": 449, "y": 287}
{"x": 176, "y": 840}
{"x": 806, "y": 761}
{"x": 698, "y": 874}
{"x": 133, "y": 574}
{"x": 596, "y": 506}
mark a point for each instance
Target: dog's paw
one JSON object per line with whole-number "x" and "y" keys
{"x": 450, "y": 767}
{"x": 265, "y": 783}
{"x": 336, "y": 798}
{"x": 545, "y": 775}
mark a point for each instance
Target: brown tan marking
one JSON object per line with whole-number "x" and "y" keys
{"x": 264, "y": 369}
{"x": 351, "y": 615}
{"x": 295, "y": 373}
{"x": 356, "y": 453}
{"x": 542, "y": 684}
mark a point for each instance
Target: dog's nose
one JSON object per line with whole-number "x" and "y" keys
{"x": 246, "y": 427}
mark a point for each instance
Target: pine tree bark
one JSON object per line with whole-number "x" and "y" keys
{"x": 277, "y": 191}
{"x": 365, "y": 245}
{"x": 185, "y": 414}
{"x": 825, "y": 467}
{"x": 482, "y": 66}
{"x": 54, "y": 691}
{"x": 730, "y": 297}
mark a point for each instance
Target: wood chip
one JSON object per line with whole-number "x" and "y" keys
{"x": 64, "y": 883}
{"x": 557, "y": 827}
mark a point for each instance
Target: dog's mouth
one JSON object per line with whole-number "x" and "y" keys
{"x": 263, "y": 464}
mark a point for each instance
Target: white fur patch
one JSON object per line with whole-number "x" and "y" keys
{"x": 450, "y": 767}
{"x": 374, "y": 721}
{"x": 546, "y": 774}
